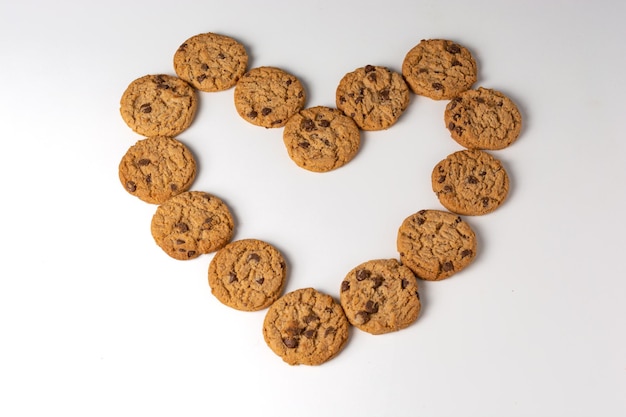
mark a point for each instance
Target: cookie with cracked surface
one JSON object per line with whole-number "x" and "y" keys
{"x": 483, "y": 119}
{"x": 380, "y": 296}
{"x": 158, "y": 105}
{"x": 211, "y": 62}
{"x": 268, "y": 96}
{"x": 321, "y": 139}
{"x": 157, "y": 168}
{"x": 439, "y": 69}
{"x": 374, "y": 96}
{"x": 436, "y": 244}
{"x": 247, "y": 275}
{"x": 470, "y": 182}
{"x": 306, "y": 327}
{"x": 191, "y": 224}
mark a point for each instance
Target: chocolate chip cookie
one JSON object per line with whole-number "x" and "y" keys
{"x": 380, "y": 296}
{"x": 374, "y": 96}
{"x": 268, "y": 96}
{"x": 306, "y": 327}
{"x": 247, "y": 274}
{"x": 436, "y": 244}
{"x": 191, "y": 224}
{"x": 470, "y": 182}
{"x": 158, "y": 105}
{"x": 483, "y": 119}
{"x": 157, "y": 168}
{"x": 439, "y": 69}
{"x": 211, "y": 62}
{"x": 321, "y": 139}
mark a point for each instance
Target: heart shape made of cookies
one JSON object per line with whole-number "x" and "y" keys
{"x": 378, "y": 296}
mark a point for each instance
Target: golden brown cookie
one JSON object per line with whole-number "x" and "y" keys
{"x": 375, "y": 97}
{"x": 306, "y": 327}
{"x": 470, "y": 182}
{"x": 158, "y": 105}
{"x": 380, "y": 296}
{"x": 268, "y": 96}
{"x": 211, "y": 62}
{"x": 439, "y": 69}
{"x": 483, "y": 119}
{"x": 436, "y": 244}
{"x": 321, "y": 139}
{"x": 247, "y": 274}
{"x": 191, "y": 224}
{"x": 157, "y": 168}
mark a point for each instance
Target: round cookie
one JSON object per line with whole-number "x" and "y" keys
{"x": 470, "y": 182}
{"x": 268, "y": 96}
{"x": 321, "y": 139}
{"x": 439, "y": 69}
{"x": 247, "y": 275}
{"x": 373, "y": 96}
{"x": 158, "y": 105}
{"x": 211, "y": 62}
{"x": 157, "y": 168}
{"x": 305, "y": 327}
{"x": 191, "y": 224}
{"x": 483, "y": 119}
{"x": 380, "y": 296}
{"x": 435, "y": 244}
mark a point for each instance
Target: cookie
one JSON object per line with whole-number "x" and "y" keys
{"x": 380, "y": 296}
{"x": 483, "y": 119}
{"x": 247, "y": 275}
{"x": 306, "y": 327}
{"x": 157, "y": 168}
{"x": 470, "y": 182}
{"x": 321, "y": 139}
{"x": 191, "y": 224}
{"x": 211, "y": 62}
{"x": 375, "y": 97}
{"x": 436, "y": 244}
{"x": 268, "y": 96}
{"x": 158, "y": 105}
{"x": 439, "y": 69}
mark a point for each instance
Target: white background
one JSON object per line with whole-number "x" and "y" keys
{"x": 95, "y": 320}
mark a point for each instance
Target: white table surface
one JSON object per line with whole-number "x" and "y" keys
{"x": 95, "y": 320}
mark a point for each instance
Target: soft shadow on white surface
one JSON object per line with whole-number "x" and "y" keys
{"x": 96, "y": 320}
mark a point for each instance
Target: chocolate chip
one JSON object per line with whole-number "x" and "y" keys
{"x": 182, "y": 227}
{"x": 265, "y": 111}
{"x": 447, "y": 266}
{"x": 221, "y": 56}
{"x": 191, "y": 253}
{"x": 182, "y": 47}
{"x": 422, "y": 212}
{"x": 310, "y": 318}
{"x": 479, "y": 100}
{"x": 149, "y": 179}
{"x": 384, "y": 94}
{"x": 372, "y": 77}
{"x": 459, "y": 130}
{"x": 143, "y": 162}
{"x": 472, "y": 179}
{"x": 420, "y": 221}
{"x": 456, "y": 117}
{"x": 455, "y": 63}
{"x": 173, "y": 187}
{"x": 204, "y": 67}
{"x": 377, "y": 281}
{"x": 358, "y": 100}
{"x": 288, "y": 82}
{"x": 452, "y": 105}
{"x": 304, "y": 144}
{"x": 451, "y": 126}
{"x": 482, "y": 173}
{"x": 309, "y": 334}
{"x": 253, "y": 257}
{"x": 330, "y": 331}
{"x": 307, "y": 125}
{"x": 253, "y": 114}
{"x": 485, "y": 201}
{"x": 145, "y": 108}
{"x": 404, "y": 283}
{"x": 441, "y": 179}
{"x": 447, "y": 189}
{"x": 465, "y": 253}
{"x": 180, "y": 241}
{"x": 131, "y": 186}
{"x": 362, "y": 274}
{"x": 361, "y": 317}
{"x": 232, "y": 277}
{"x": 371, "y": 307}
{"x": 290, "y": 342}
{"x": 345, "y": 286}
{"x": 277, "y": 122}
{"x": 201, "y": 78}
{"x": 453, "y": 48}
{"x": 260, "y": 280}
{"x": 422, "y": 70}
{"x": 324, "y": 123}
{"x": 369, "y": 68}
{"x": 437, "y": 86}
